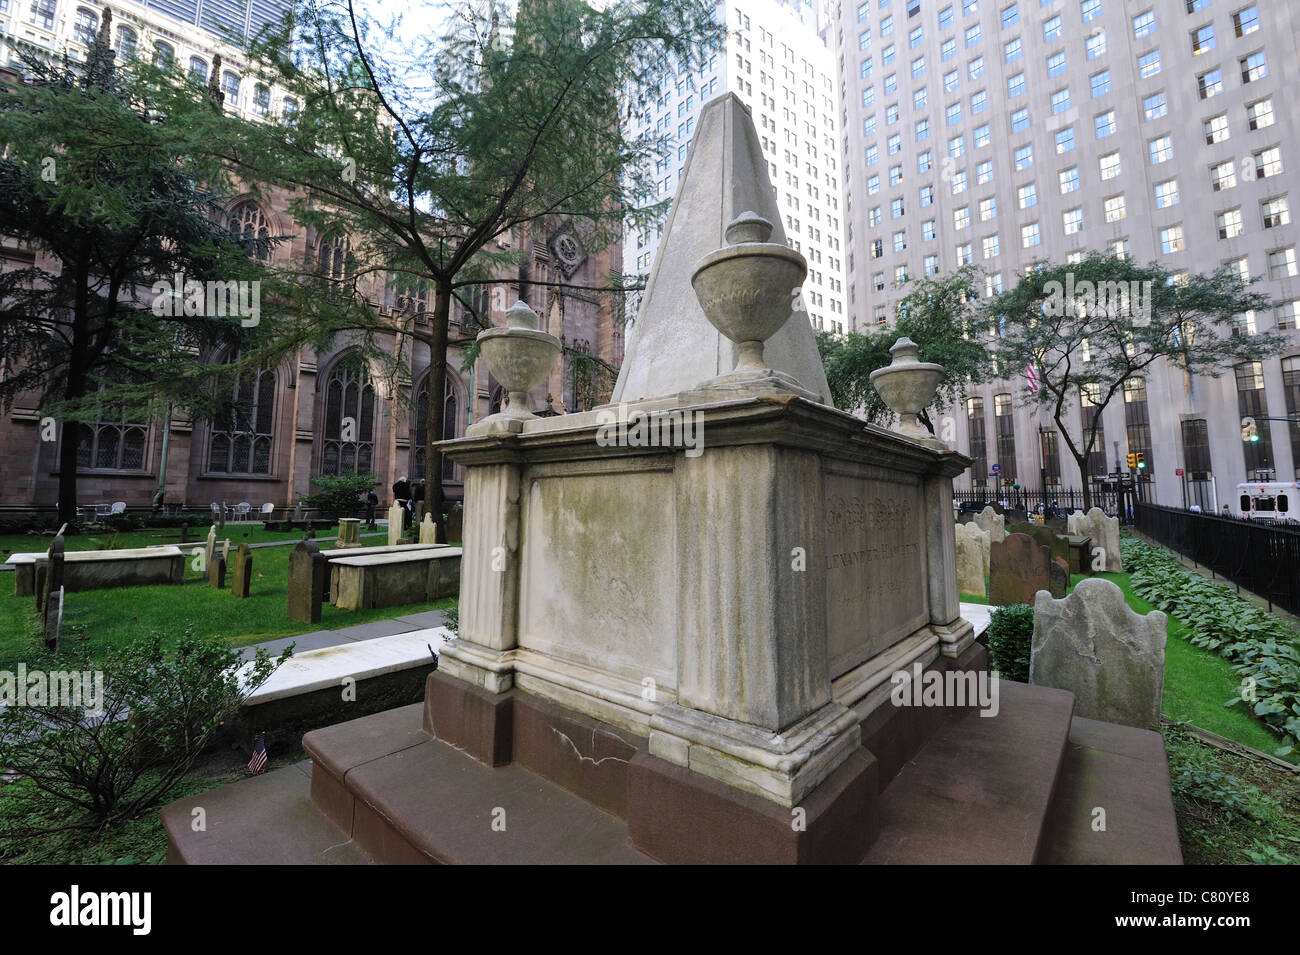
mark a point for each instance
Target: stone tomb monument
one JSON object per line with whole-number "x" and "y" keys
{"x": 729, "y": 616}
{"x": 1111, "y": 658}
{"x": 349, "y": 532}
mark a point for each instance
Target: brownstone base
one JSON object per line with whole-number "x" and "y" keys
{"x": 681, "y": 817}
{"x": 469, "y": 718}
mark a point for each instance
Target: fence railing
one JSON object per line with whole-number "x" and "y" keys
{"x": 1261, "y": 558}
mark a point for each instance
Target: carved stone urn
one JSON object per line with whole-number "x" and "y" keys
{"x": 520, "y": 357}
{"x": 907, "y": 385}
{"x": 746, "y": 289}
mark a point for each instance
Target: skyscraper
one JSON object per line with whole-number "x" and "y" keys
{"x": 1010, "y": 133}
{"x": 777, "y": 62}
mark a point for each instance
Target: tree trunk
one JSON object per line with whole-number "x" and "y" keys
{"x": 437, "y": 406}
{"x": 1082, "y": 462}
{"x": 74, "y": 387}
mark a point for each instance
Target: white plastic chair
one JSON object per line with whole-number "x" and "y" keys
{"x": 102, "y": 509}
{"x": 216, "y": 509}
{"x": 268, "y": 508}
{"x": 242, "y": 509}
{"x": 119, "y": 507}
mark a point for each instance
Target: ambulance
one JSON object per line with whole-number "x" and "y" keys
{"x": 1273, "y": 502}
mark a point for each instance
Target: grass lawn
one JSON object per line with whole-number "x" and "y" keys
{"x": 252, "y": 533}
{"x": 106, "y": 617}
{"x": 1197, "y": 682}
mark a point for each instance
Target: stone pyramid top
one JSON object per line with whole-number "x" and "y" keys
{"x": 671, "y": 346}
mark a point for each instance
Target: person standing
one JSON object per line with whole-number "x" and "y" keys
{"x": 402, "y": 495}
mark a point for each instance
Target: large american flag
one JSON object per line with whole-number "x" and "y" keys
{"x": 258, "y": 762}
{"x": 1031, "y": 377}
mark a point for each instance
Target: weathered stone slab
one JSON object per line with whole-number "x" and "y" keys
{"x": 242, "y": 577}
{"x": 306, "y": 582}
{"x": 1080, "y": 555}
{"x": 993, "y": 524}
{"x": 388, "y": 580}
{"x": 103, "y": 569}
{"x": 349, "y": 533}
{"x": 1104, "y": 532}
{"x": 1111, "y": 658}
{"x": 428, "y": 530}
{"x": 53, "y": 628}
{"x": 209, "y": 548}
{"x": 1018, "y": 569}
{"x": 972, "y": 558}
{"x": 395, "y": 524}
{"x": 1058, "y": 574}
{"x": 217, "y": 571}
{"x": 332, "y": 556}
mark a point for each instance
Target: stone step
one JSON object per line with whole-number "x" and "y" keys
{"x": 980, "y": 790}
{"x": 264, "y": 820}
{"x": 1125, "y": 772}
{"x": 404, "y": 797}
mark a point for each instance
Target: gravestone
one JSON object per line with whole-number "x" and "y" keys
{"x": 993, "y": 524}
{"x": 1058, "y": 545}
{"x": 395, "y": 524}
{"x": 221, "y": 516}
{"x": 428, "y": 530}
{"x": 53, "y": 627}
{"x": 1018, "y": 569}
{"x": 1104, "y": 532}
{"x": 217, "y": 571}
{"x": 297, "y": 511}
{"x": 209, "y": 548}
{"x": 970, "y": 561}
{"x": 185, "y": 532}
{"x": 306, "y": 582}
{"x": 349, "y": 532}
{"x": 243, "y": 572}
{"x": 49, "y": 574}
{"x": 1095, "y": 646}
{"x": 1080, "y": 555}
{"x": 1058, "y": 573}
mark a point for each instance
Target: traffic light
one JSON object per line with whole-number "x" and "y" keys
{"x": 1142, "y": 463}
{"x": 1132, "y": 460}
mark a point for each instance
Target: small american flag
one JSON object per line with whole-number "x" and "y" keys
{"x": 1031, "y": 377}
{"x": 258, "y": 762}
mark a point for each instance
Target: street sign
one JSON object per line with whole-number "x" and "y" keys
{"x": 995, "y": 469}
{"x": 1178, "y": 472}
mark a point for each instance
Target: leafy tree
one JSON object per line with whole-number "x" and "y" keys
{"x": 97, "y": 183}
{"x": 1091, "y": 325}
{"x": 438, "y": 155}
{"x": 940, "y": 315}
{"x": 341, "y": 495}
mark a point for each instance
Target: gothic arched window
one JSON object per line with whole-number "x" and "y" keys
{"x": 116, "y": 441}
{"x": 247, "y": 220}
{"x": 334, "y": 258}
{"x": 242, "y": 436}
{"x": 450, "y": 416}
{"x": 348, "y": 425}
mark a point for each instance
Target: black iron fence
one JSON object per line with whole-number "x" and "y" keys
{"x": 1261, "y": 558}
{"x": 1024, "y": 498}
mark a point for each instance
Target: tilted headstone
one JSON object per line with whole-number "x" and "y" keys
{"x": 243, "y": 572}
{"x": 1104, "y": 532}
{"x": 1018, "y": 569}
{"x": 1095, "y": 646}
{"x": 53, "y": 628}
{"x": 297, "y": 511}
{"x": 428, "y": 530}
{"x": 306, "y": 582}
{"x": 49, "y": 576}
{"x": 209, "y": 548}
{"x": 970, "y": 561}
{"x": 395, "y": 524}
{"x": 993, "y": 524}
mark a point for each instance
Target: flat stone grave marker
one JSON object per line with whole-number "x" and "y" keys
{"x": 1094, "y": 645}
{"x": 243, "y": 572}
{"x": 1018, "y": 569}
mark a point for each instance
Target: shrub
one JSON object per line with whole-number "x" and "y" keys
{"x": 1263, "y": 650}
{"x": 159, "y": 709}
{"x": 339, "y": 496}
{"x": 1011, "y": 633}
